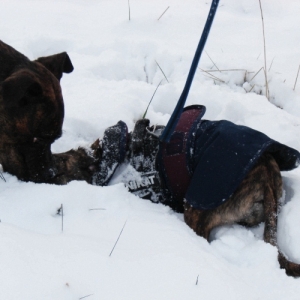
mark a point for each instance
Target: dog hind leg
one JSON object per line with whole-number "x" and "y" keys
{"x": 245, "y": 206}
{"x": 273, "y": 192}
{"x": 255, "y": 201}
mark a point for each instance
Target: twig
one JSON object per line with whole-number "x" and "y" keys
{"x": 267, "y": 84}
{"x": 212, "y": 61}
{"x": 296, "y": 78}
{"x": 117, "y": 239}
{"x": 97, "y": 209}
{"x": 61, "y": 210}
{"x": 256, "y": 74}
{"x": 271, "y": 63}
{"x": 62, "y": 218}
{"x": 214, "y": 79}
{"x": 129, "y": 9}
{"x": 162, "y": 71}
{"x": 197, "y": 279}
{"x": 252, "y": 88}
{"x": 225, "y": 70}
{"x": 258, "y": 56}
{"x": 245, "y": 76}
{"x": 265, "y": 56}
{"x": 2, "y": 176}
{"x": 212, "y": 76}
{"x": 86, "y": 296}
{"x": 163, "y": 13}
{"x": 151, "y": 100}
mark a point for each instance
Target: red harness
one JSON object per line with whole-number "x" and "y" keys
{"x": 174, "y": 158}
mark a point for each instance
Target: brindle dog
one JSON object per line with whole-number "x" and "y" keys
{"x": 31, "y": 117}
{"x": 79, "y": 164}
{"x": 256, "y": 200}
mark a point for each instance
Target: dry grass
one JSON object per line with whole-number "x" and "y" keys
{"x": 265, "y": 55}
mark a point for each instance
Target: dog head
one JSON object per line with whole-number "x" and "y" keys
{"x": 31, "y": 112}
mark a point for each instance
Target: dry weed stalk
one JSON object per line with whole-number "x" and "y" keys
{"x": 144, "y": 116}
{"x": 86, "y": 296}
{"x": 296, "y": 78}
{"x": 129, "y": 9}
{"x": 117, "y": 239}
{"x": 265, "y": 55}
{"x": 256, "y": 74}
{"x": 163, "y": 13}
{"x": 225, "y": 70}
{"x": 212, "y": 76}
{"x": 212, "y": 61}
{"x": 162, "y": 71}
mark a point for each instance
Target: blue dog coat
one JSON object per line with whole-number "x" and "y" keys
{"x": 204, "y": 162}
{"x": 224, "y": 154}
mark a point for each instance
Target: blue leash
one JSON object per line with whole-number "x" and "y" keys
{"x": 166, "y": 135}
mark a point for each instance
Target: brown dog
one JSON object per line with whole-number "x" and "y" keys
{"x": 31, "y": 117}
{"x": 256, "y": 200}
{"x": 31, "y": 112}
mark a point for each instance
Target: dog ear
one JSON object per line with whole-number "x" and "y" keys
{"x": 20, "y": 90}
{"x": 57, "y": 64}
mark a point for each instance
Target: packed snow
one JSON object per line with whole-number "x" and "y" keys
{"x": 46, "y": 256}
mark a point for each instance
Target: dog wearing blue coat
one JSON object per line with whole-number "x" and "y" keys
{"x": 215, "y": 172}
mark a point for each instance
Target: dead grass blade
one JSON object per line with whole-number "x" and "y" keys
{"x": 117, "y": 239}
{"x": 256, "y": 74}
{"x": 151, "y": 99}
{"x": 296, "y": 78}
{"x": 265, "y": 55}
{"x": 162, "y": 71}
{"x": 212, "y": 76}
{"x": 163, "y": 13}
{"x": 212, "y": 61}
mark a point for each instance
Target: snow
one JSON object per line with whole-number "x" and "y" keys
{"x": 157, "y": 255}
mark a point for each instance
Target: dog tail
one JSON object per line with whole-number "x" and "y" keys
{"x": 273, "y": 193}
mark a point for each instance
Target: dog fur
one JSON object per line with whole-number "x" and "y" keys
{"x": 31, "y": 112}
{"x": 80, "y": 164}
{"x": 31, "y": 118}
{"x": 256, "y": 200}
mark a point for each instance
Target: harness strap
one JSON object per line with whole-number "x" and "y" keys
{"x": 174, "y": 158}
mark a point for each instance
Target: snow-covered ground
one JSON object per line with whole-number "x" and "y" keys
{"x": 157, "y": 255}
